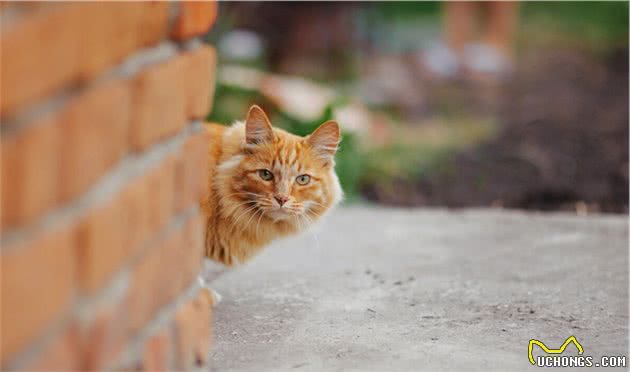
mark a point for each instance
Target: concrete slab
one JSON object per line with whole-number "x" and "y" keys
{"x": 413, "y": 289}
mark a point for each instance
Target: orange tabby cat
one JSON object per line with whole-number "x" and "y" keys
{"x": 266, "y": 183}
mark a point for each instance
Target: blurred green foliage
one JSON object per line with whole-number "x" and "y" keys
{"x": 401, "y": 10}
{"x": 404, "y": 161}
{"x": 231, "y": 103}
{"x": 596, "y": 25}
{"x": 604, "y": 20}
{"x": 593, "y": 24}
{"x": 418, "y": 151}
{"x": 398, "y": 27}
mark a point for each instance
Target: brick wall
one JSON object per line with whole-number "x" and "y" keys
{"x": 103, "y": 159}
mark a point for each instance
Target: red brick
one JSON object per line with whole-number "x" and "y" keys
{"x": 195, "y": 18}
{"x": 101, "y": 239}
{"x": 49, "y": 53}
{"x": 44, "y": 50}
{"x": 192, "y": 249}
{"x": 181, "y": 259}
{"x": 22, "y": 5}
{"x": 38, "y": 279}
{"x": 157, "y": 351}
{"x": 154, "y": 26}
{"x": 192, "y": 171}
{"x": 61, "y": 354}
{"x": 95, "y": 133}
{"x": 161, "y": 193}
{"x": 147, "y": 293}
{"x": 110, "y": 31}
{"x": 138, "y": 205}
{"x": 55, "y": 46}
{"x": 193, "y": 326}
{"x": 167, "y": 269}
{"x": 200, "y": 80}
{"x": 148, "y": 202}
{"x": 170, "y": 263}
{"x": 141, "y": 304}
{"x": 30, "y": 164}
{"x": 104, "y": 337}
{"x": 169, "y": 278}
{"x": 159, "y": 102}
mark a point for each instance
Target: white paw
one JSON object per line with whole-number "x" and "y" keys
{"x": 216, "y": 297}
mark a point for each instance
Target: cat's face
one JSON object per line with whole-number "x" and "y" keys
{"x": 284, "y": 177}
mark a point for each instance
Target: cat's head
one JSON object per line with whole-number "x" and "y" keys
{"x": 284, "y": 177}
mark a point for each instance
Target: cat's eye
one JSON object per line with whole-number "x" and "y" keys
{"x": 303, "y": 179}
{"x": 265, "y": 174}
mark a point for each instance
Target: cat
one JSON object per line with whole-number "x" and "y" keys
{"x": 266, "y": 183}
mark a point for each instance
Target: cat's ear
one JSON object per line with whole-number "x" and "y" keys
{"x": 325, "y": 139}
{"x": 257, "y": 127}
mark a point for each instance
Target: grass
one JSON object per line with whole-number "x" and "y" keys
{"x": 592, "y": 24}
{"x": 418, "y": 150}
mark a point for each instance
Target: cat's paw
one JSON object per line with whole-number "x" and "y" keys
{"x": 216, "y": 296}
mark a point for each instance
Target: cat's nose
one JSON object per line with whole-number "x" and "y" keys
{"x": 281, "y": 199}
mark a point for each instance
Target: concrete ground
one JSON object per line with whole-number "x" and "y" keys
{"x": 399, "y": 290}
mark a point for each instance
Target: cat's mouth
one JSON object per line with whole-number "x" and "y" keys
{"x": 279, "y": 214}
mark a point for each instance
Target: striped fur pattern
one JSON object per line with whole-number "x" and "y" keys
{"x": 267, "y": 184}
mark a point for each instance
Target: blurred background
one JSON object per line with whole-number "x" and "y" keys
{"x": 506, "y": 104}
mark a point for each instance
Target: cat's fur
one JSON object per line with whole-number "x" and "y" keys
{"x": 243, "y": 211}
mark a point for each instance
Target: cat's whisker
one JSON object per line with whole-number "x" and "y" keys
{"x": 233, "y": 194}
{"x": 237, "y": 193}
{"x": 231, "y": 215}
{"x": 246, "y": 224}
{"x": 242, "y": 194}
{"x": 265, "y": 205}
{"x": 312, "y": 231}
{"x": 224, "y": 200}
{"x": 305, "y": 223}
{"x": 228, "y": 202}
{"x": 253, "y": 193}
{"x": 299, "y": 222}
{"x": 295, "y": 209}
{"x": 247, "y": 193}
{"x": 314, "y": 216}
{"x": 234, "y": 208}
{"x": 307, "y": 218}
{"x": 259, "y": 219}
{"x": 242, "y": 214}
{"x": 243, "y": 202}
{"x": 315, "y": 211}
{"x": 316, "y": 204}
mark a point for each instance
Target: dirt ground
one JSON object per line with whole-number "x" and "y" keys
{"x": 563, "y": 142}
